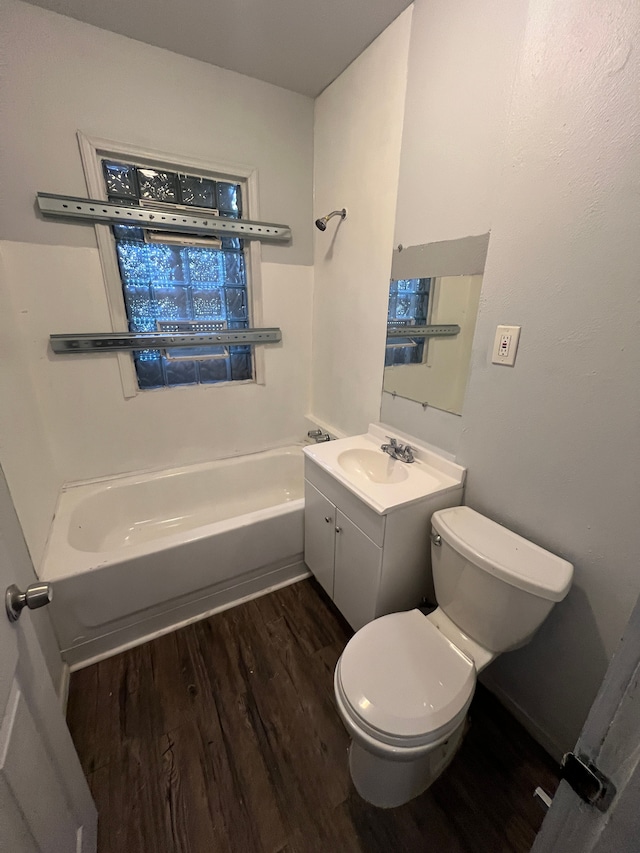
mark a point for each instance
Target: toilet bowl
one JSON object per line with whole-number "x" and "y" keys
{"x": 402, "y": 690}
{"x": 404, "y": 682}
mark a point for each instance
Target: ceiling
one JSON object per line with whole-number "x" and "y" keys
{"x": 302, "y": 45}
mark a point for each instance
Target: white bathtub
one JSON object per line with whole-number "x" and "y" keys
{"x": 135, "y": 556}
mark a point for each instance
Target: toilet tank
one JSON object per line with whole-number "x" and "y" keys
{"x": 494, "y": 585}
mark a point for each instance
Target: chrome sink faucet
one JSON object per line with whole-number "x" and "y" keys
{"x": 403, "y": 453}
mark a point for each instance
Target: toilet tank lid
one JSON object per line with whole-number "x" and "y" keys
{"x": 504, "y": 554}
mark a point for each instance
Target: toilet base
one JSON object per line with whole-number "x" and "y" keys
{"x": 388, "y": 783}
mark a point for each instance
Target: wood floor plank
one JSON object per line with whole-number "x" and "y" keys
{"x": 237, "y": 761}
{"x": 320, "y": 726}
{"x": 331, "y": 832}
{"x": 281, "y": 728}
{"x": 224, "y": 736}
{"x": 192, "y": 824}
{"x": 140, "y": 712}
{"x": 82, "y": 717}
{"x": 386, "y": 829}
{"x": 129, "y": 798}
{"x": 171, "y": 683}
{"x": 101, "y": 793}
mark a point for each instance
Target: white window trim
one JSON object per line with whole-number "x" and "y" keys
{"x": 92, "y": 150}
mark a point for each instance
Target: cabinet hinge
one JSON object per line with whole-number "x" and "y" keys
{"x": 587, "y": 781}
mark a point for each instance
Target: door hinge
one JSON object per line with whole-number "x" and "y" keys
{"x": 587, "y": 781}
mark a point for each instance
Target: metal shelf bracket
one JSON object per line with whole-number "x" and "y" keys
{"x": 434, "y": 331}
{"x": 159, "y": 219}
{"x": 128, "y": 341}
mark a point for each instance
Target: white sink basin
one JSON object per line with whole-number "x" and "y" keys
{"x": 380, "y": 481}
{"x": 372, "y": 465}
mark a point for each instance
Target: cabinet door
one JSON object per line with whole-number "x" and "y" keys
{"x": 357, "y": 574}
{"x": 319, "y": 535}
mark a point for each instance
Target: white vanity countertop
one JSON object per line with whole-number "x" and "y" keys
{"x": 381, "y": 482}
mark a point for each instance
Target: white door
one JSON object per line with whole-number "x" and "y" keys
{"x": 45, "y": 804}
{"x": 610, "y": 740}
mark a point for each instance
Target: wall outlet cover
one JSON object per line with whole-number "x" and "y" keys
{"x": 505, "y": 345}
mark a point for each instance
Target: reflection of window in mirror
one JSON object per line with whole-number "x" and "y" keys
{"x": 408, "y": 306}
{"x": 432, "y": 372}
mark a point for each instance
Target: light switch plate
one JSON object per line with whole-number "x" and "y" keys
{"x": 505, "y": 345}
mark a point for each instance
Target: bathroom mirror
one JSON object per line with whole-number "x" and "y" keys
{"x": 435, "y": 289}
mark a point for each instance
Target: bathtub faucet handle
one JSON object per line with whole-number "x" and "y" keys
{"x": 319, "y": 435}
{"x": 36, "y": 595}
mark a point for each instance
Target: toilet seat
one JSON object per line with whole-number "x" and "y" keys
{"x": 403, "y": 682}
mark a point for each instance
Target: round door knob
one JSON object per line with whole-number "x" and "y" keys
{"x": 36, "y": 595}
{"x": 338, "y": 530}
{"x": 327, "y": 518}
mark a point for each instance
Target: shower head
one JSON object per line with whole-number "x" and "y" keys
{"x": 321, "y": 224}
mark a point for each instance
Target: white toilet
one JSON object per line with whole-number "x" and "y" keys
{"x": 405, "y": 681}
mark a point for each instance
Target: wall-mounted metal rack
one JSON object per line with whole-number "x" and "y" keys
{"x": 434, "y": 331}
{"x": 127, "y": 341}
{"x": 159, "y": 219}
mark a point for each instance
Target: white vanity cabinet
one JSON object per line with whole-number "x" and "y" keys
{"x": 369, "y": 563}
{"x": 343, "y": 558}
{"x": 358, "y": 567}
{"x": 319, "y": 536}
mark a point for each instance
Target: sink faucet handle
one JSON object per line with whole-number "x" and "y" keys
{"x": 393, "y": 441}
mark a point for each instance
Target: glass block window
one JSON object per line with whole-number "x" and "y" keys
{"x": 177, "y": 286}
{"x": 408, "y": 306}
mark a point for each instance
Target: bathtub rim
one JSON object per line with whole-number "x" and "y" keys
{"x": 61, "y": 560}
{"x": 294, "y": 446}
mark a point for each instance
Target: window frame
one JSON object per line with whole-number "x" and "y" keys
{"x": 92, "y": 151}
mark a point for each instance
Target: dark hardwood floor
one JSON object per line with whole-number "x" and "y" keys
{"x": 223, "y": 736}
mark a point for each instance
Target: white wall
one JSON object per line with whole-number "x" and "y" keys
{"x": 60, "y": 76}
{"x": 25, "y": 450}
{"x": 94, "y": 430}
{"x": 440, "y": 429}
{"x": 523, "y": 118}
{"x": 549, "y": 164}
{"x": 358, "y": 125}
{"x": 69, "y": 419}
{"x": 552, "y": 444}
{"x": 462, "y": 62}
{"x": 462, "y": 65}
